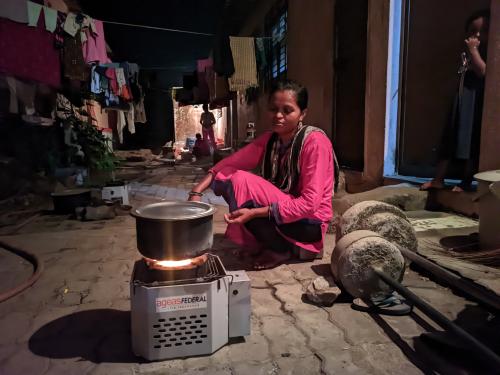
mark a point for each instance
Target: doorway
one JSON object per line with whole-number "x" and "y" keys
{"x": 431, "y": 44}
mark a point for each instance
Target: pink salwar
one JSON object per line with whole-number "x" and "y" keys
{"x": 208, "y": 136}
{"x": 315, "y": 188}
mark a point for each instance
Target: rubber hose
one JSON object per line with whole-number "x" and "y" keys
{"x": 37, "y": 265}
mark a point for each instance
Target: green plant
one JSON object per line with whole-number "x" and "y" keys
{"x": 97, "y": 154}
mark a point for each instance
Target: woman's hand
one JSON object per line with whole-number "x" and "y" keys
{"x": 472, "y": 43}
{"x": 240, "y": 216}
{"x": 194, "y": 198}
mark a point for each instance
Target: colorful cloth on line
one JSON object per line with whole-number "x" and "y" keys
{"x": 37, "y": 60}
{"x": 245, "y": 67}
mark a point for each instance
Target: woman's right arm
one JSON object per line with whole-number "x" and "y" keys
{"x": 478, "y": 65}
{"x": 201, "y": 187}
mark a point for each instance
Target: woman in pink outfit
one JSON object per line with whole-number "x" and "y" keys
{"x": 289, "y": 207}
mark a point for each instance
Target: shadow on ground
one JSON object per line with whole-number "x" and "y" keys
{"x": 101, "y": 335}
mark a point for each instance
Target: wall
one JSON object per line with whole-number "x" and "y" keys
{"x": 310, "y": 56}
{"x": 310, "y": 61}
{"x": 490, "y": 131}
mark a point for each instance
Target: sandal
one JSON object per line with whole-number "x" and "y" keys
{"x": 393, "y": 305}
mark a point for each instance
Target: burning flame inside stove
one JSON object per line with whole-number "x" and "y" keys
{"x": 176, "y": 264}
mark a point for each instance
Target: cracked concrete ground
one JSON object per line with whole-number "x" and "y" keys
{"x": 76, "y": 318}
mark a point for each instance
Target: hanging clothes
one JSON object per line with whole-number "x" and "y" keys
{"x": 28, "y": 53}
{"x": 140, "y": 111}
{"x": 94, "y": 48}
{"x": 14, "y": 10}
{"x": 202, "y": 79}
{"x": 98, "y": 116}
{"x": 223, "y": 59}
{"x": 59, "y": 31}
{"x": 34, "y": 11}
{"x": 245, "y": 74}
{"x": 23, "y": 92}
{"x": 71, "y": 26}
{"x": 74, "y": 65}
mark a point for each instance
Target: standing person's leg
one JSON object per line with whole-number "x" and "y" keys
{"x": 204, "y": 132}
{"x": 438, "y": 181}
{"x": 212, "y": 137}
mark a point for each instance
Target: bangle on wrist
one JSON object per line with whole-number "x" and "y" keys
{"x": 195, "y": 193}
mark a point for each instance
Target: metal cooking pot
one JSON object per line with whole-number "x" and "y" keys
{"x": 174, "y": 230}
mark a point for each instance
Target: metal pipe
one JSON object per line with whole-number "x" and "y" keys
{"x": 470, "y": 289}
{"x": 440, "y": 319}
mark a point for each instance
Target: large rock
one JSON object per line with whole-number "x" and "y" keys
{"x": 354, "y": 258}
{"x": 323, "y": 291}
{"x": 355, "y": 217}
{"x": 404, "y": 196}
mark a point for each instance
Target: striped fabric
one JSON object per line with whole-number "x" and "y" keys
{"x": 245, "y": 75}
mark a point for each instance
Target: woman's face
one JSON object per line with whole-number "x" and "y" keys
{"x": 479, "y": 29}
{"x": 284, "y": 113}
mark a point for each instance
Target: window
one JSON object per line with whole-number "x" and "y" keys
{"x": 278, "y": 47}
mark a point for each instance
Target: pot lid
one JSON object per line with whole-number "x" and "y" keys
{"x": 488, "y": 176}
{"x": 173, "y": 210}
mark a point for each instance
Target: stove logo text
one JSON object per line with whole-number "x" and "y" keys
{"x": 186, "y": 302}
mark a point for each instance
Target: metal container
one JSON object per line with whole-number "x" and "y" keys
{"x": 174, "y": 230}
{"x": 67, "y": 200}
{"x": 489, "y": 209}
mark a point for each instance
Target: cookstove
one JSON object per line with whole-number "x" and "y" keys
{"x": 187, "y": 311}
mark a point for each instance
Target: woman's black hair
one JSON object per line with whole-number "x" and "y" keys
{"x": 301, "y": 96}
{"x": 483, "y": 13}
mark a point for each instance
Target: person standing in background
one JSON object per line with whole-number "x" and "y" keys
{"x": 462, "y": 136}
{"x": 207, "y": 121}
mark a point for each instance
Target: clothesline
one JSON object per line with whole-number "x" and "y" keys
{"x": 172, "y": 30}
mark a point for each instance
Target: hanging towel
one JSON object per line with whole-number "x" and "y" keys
{"x": 15, "y": 10}
{"x": 50, "y": 19}
{"x": 13, "y": 104}
{"x": 245, "y": 68}
{"x": 28, "y": 53}
{"x": 202, "y": 80}
{"x": 70, "y": 24}
{"x": 223, "y": 59}
{"x": 120, "y": 124}
{"x": 34, "y": 10}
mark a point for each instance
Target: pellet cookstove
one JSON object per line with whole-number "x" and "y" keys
{"x": 187, "y": 310}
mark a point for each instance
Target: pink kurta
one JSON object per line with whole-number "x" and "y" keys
{"x": 315, "y": 187}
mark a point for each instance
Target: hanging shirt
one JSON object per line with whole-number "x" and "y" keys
{"x": 94, "y": 48}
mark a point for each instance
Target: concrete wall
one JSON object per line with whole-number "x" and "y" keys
{"x": 490, "y": 131}
{"x": 310, "y": 56}
{"x": 310, "y": 61}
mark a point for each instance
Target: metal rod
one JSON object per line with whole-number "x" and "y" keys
{"x": 440, "y": 319}
{"x": 470, "y": 289}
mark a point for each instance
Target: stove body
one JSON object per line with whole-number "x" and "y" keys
{"x": 187, "y": 312}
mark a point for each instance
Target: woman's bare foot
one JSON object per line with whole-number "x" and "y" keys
{"x": 433, "y": 184}
{"x": 270, "y": 259}
{"x": 457, "y": 189}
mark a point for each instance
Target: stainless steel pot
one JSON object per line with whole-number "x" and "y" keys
{"x": 174, "y": 230}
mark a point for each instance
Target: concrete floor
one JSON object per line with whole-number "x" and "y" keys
{"x": 76, "y": 318}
